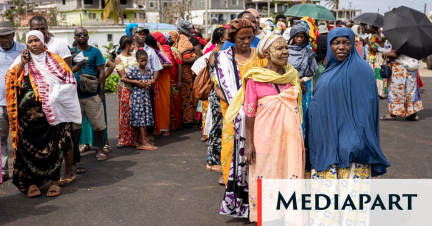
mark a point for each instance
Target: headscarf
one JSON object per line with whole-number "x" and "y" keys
{"x": 268, "y": 26}
{"x": 167, "y": 38}
{"x": 354, "y": 28}
{"x": 302, "y": 57}
{"x": 237, "y": 25}
{"x": 266, "y": 42}
{"x": 313, "y": 31}
{"x": 280, "y": 28}
{"x": 181, "y": 42}
{"x": 184, "y": 26}
{"x": 53, "y": 84}
{"x": 343, "y": 117}
{"x": 130, "y": 27}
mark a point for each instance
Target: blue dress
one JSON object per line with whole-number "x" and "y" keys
{"x": 141, "y": 113}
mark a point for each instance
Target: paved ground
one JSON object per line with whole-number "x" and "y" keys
{"x": 171, "y": 186}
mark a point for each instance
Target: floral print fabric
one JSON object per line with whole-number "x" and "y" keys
{"x": 141, "y": 113}
{"x": 404, "y": 96}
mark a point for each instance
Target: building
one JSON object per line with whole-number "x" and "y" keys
{"x": 276, "y": 6}
{"x": 90, "y": 12}
{"x": 219, "y": 11}
{"x": 345, "y": 14}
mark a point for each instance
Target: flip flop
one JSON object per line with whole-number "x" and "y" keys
{"x": 416, "y": 119}
{"x": 385, "y": 118}
{"x": 101, "y": 157}
{"x": 79, "y": 168}
{"x": 147, "y": 148}
{"x": 221, "y": 180}
{"x": 84, "y": 148}
{"x": 216, "y": 168}
{"x": 106, "y": 149}
{"x": 54, "y": 188}
{"x": 64, "y": 182}
{"x": 208, "y": 167}
{"x": 166, "y": 133}
{"x": 37, "y": 192}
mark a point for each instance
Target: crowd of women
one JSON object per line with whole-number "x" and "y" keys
{"x": 303, "y": 104}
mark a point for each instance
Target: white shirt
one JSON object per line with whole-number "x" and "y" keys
{"x": 59, "y": 47}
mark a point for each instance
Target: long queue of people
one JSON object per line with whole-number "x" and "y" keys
{"x": 285, "y": 103}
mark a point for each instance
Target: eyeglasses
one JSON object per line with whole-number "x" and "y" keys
{"x": 81, "y": 34}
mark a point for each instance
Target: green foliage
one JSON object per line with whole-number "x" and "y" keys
{"x": 107, "y": 48}
{"x": 23, "y": 37}
{"x": 13, "y": 15}
{"x": 111, "y": 83}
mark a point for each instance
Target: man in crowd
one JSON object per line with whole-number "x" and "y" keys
{"x": 59, "y": 47}
{"x": 9, "y": 51}
{"x": 259, "y": 32}
{"x": 91, "y": 103}
{"x": 153, "y": 63}
{"x": 248, "y": 16}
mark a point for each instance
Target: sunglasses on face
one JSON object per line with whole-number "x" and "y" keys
{"x": 80, "y": 34}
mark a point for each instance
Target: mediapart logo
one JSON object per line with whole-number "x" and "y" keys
{"x": 344, "y": 202}
{"x": 363, "y": 200}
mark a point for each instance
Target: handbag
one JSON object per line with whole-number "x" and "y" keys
{"x": 385, "y": 71}
{"x": 88, "y": 83}
{"x": 203, "y": 83}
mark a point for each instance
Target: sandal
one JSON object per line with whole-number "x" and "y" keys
{"x": 385, "y": 118}
{"x": 221, "y": 180}
{"x": 120, "y": 145}
{"x": 101, "y": 157}
{"x": 415, "y": 119}
{"x": 147, "y": 148}
{"x": 166, "y": 133}
{"x": 106, "y": 149}
{"x": 79, "y": 168}
{"x": 64, "y": 182}
{"x": 57, "y": 189}
{"x": 151, "y": 138}
{"x": 33, "y": 189}
{"x": 203, "y": 139}
{"x": 84, "y": 148}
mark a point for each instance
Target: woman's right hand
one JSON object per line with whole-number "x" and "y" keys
{"x": 25, "y": 56}
{"x": 303, "y": 86}
{"x": 250, "y": 153}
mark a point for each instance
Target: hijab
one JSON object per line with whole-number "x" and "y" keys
{"x": 302, "y": 57}
{"x": 343, "y": 117}
{"x": 130, "y": 27}
{"x": 185, "y": 27}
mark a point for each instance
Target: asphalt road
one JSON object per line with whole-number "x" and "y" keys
{"x": 170, "y": 186}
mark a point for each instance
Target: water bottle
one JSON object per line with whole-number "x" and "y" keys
{"x": 387, "y": 46}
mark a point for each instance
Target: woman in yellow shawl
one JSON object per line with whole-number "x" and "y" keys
{"x": 271, "y": 100}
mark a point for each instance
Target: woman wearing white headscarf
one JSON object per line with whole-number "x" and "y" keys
{"x": 271, "y": 100}
{"x": 42, "y": 103}
{"x": 358, "y": 39}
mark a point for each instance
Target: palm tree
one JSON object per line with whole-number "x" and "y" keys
{"x": 114, "y": 7}
{"x": 334, "y": 4}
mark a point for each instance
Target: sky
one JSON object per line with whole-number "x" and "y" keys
{"x": 383, "y": 5}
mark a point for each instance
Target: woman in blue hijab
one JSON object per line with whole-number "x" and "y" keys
{"x": 129, "y": 29}
{"x": 343, "y": 117}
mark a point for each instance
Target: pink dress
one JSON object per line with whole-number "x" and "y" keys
{"x": 278, "y": 136}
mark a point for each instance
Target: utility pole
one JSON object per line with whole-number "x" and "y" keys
{"x": 350, "y": 16}
{"x": 425, "y": 8}
{"x": 268, "y": 8}
{"x": 206, "y": 17}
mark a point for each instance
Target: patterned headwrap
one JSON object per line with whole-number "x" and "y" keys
{"x": 184, "y": 26}
{"x": 266, "y": 42}
{"x": 237, "y": 25}
{"x": 167, "y": 38}
{"x": 268, "y": 26}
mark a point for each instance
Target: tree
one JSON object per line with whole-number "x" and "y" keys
{"x": 179, "y": 9}
{"x": 13, "y": 15}
{"x": 334, "y": 4}
{"x": 114, "y": 7}
{"x": 50, "y": 15}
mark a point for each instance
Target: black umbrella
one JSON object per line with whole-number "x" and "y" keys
{"x": 409, "y": 31}
{"x": 374, "y": 19}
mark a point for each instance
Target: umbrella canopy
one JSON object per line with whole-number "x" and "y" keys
{"x": 409, "y": 31}
{"x": 311, "y": 10}
{"x": 374, "y": 19}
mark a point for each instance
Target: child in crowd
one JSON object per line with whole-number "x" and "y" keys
{"x": 141, "y": 113}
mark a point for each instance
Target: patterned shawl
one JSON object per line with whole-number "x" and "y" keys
{"x": 181, "y": 42}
